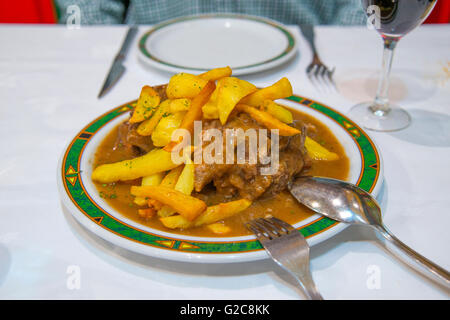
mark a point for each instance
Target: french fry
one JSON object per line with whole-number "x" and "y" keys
{"x": 155, "y": 161}
{"x": 162, "y": 134}
{"x": 218, "y": 228}
{"x": 231, "y": 91}
{"x": 146, "y": 105}
{"x": 277, "y": 111}
{"x": 210, "y": 110}
{"x": 222, "y": 211}
{"x": 279, "y": 90}
{"x": 181, "y": 104}
{"x": 185, "y": 85}
{"x": 151, "y": 180}
{"x": 216, "y": 74}
{"x": 147, "y": 126}
{"x": 176, "y": 222}
{"x": 318, "y": 152}
{"x": 169, "y": 181}
{"x": 171, "y": 178}
{"x": 210, "y": 215}
{"x": 185, "y": 181}
{"x": 195, "y": 112}
{"x": 146, "y": 213}
{"x": 187, "y": 206}
{"x": 268, "y": 120}
{"x": 185, "y": 184}
{"x": 152, "y": 203}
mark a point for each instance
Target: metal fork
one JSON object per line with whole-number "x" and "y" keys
{"x": 287, "y": 247}
{"x": 317, "y": 71}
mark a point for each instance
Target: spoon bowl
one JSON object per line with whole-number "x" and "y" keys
{"x": 337, "y": 200}
{"x": 347, "y": 203}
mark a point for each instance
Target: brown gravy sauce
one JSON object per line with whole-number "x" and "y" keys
{"x": 282, "y": 206}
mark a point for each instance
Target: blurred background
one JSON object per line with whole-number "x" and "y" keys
{"x": 151, "y": 11}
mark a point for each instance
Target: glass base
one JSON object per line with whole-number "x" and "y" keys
{"x": 394, "y": 119}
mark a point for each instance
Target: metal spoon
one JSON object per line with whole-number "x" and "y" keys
{"x": 345, "y": 202}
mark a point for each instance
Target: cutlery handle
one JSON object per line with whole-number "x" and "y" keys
{"x": 306, "y": 282}
{"x": 418, "y": 261}
{"x": 308, "y": 32}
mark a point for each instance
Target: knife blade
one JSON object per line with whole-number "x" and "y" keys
{"x": 117, "y": 69}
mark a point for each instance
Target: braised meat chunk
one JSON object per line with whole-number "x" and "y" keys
{"x": 133, "y": 143}
{"x": 253, "y": 180}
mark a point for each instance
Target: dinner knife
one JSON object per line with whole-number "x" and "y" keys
{"x": 117, "y": 69}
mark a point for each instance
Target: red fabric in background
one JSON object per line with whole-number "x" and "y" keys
{"x": 43, "y": 11}
{"x": 440, "y": 13}
{"x": 27, "y": 11}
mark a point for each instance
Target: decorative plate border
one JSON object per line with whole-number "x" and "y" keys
{"x": 289, "y": 48}
{"x": 75, "y": 190}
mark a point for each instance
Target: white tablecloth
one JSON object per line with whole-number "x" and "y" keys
{"x": 49, "y": 80}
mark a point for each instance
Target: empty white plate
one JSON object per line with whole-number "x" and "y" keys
{"x": 198, "y": 43}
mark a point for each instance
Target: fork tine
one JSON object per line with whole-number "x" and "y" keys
{"x": 321, "y": 69}
{"x": 256, "y": 230}
{"x": 268, "y": 228}
{"x": 288, "y": 249}
{"x": 327, "y": 78}
{"x": 282, "y": 224}
{"x": 276, "y": 226}
{"x": 312, "y": 74}
{"x": 330, "y": 77}
{"x": 317, "y": 70}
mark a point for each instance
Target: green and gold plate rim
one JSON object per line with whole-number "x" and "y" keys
{"x": 291, "y": 45}
{"x": 74, "y": 189}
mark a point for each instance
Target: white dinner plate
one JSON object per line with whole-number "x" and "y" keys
{"x": 195, "y": 44}
{"x": 80, "y": 196}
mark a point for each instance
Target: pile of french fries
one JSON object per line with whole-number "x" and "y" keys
{"x": 166, "y": 187}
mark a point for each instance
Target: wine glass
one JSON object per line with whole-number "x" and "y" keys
{"x": 392, "y": 19}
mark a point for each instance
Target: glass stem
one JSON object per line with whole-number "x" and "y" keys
{"x": 381, "y": 103}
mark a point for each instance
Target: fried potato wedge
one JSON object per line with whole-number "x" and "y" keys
{"x": 146, "y": 213}
{"x": 195, "y": 112}
{"x": 147, "y": 127}
{"x": 169, "y": 181}
{"x": 218, "y": 228}
{"x": 171, "y": 178}
{"x": 216, "y": 74}
{"x": 146, "y": 105}
{"x": 155, "y": 161}
{"x": 231, "y": 91}
{"x": 162, "y": 134}
{"x": 187, "y": 206}
{"x": 151, "y": 180}
{"x": 210, "y": 110}
{"x": 268, "y": 120}
{"x": 185, "y": 85}
{"x": 222, "y": 211}
{"x": 279, "y": 90}
{"x": 184, "y": 184}
{"x": 176, "y": 222}
{"x": 210, "y": 215}
{"x": 277, "y": 111}
{"x": 178, "y": 105}
{"x": 318, "y": 152}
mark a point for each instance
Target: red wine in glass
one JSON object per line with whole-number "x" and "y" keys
{"x": 392, "y": 19}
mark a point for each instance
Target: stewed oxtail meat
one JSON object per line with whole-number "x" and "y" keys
{"x": 133, "y": 143}
{"x": 247, "y": 180}
{"x": 128, "y": 137}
